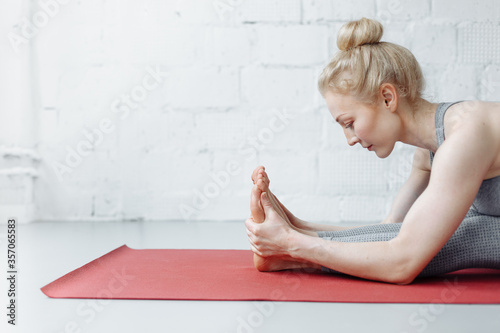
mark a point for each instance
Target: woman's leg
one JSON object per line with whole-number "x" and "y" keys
{"x": 475, "y": 243}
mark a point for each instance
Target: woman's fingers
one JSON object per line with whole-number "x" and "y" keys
{"x": 251, "y": 227}
{"x": 251, "y": 236}
{"x": 250, "y": 224}
{"x": 253, "y": 246}
{"x": 254, "y": 250}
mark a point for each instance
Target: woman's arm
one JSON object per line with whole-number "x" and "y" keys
{"x": 459, "y": 168}
{"x": 458, "y": 171}
{"x": 412, "y": 188}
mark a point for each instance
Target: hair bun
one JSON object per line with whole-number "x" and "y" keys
{"x": 360, "y": 32}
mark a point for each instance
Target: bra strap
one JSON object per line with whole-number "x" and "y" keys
{"x": 439, "y": 121}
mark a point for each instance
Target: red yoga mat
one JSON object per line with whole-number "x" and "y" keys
{"x": 229, "y": 275}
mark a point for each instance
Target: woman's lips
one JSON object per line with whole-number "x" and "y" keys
{"x": 369, "y": 147}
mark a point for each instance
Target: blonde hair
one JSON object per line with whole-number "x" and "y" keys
{"x": 363, "y": 63}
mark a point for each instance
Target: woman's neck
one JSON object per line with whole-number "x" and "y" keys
{"x": 418, "y": 123}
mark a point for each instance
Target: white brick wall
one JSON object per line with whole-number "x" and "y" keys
{"x": 160, "y": 109}
{"x": 483, "y": 10}
{"x": 292, "y": 45}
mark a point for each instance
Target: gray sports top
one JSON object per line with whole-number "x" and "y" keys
{"x": 487, "y": 200}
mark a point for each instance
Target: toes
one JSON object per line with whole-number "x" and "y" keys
{"x": 266, "y": 177}
{"x": 265, "y": 180}
{"x": 253, "y": 176}
{"x": 256, "y": 172}
{"x": 261, "y": 184}
{"x": 257, "y": 190}
{"x": 256, "y": 207}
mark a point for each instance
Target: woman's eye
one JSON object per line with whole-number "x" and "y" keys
{"x": 349, "y": 125}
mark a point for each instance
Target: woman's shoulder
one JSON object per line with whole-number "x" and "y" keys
{"x": 475, "y": 126}
{"x": 468, "y": 116}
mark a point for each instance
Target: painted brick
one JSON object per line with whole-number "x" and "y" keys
{"x": 266, "y": 11}
{"x": 157, "y": 174}
{"x": 169, "y": 172}
{"x": 201, "y": 87}
{"x": 157, "y": 11}
{"x": 107, "y": 203}
{"x": 229, "y": 46}
{"x": 432, "y": 75}
{"x": 490, "y": 83}
{"x": 459, "y": 83}
{"x": 352, "y": 10}
{"x": 290, "y": 173}
{"x": 313, "y": 208}
{"x": 17, "y": 195}
{"x": 291, "y": 45}
{"x": 396, "y": 10}
{"x": 363, "y": 208}
{"x": 231, "y": 207}
{"x": 164, "y": 44}
{"x": 303, "y": 133}
{"x": 172, "y": 131}
{"x": 225, "y": 130}
{"x": 434, "y": 44}
{"x": 398, "y": 33}
{"x": 185, "y": 12}
{"x": 287, "y": 129}
{"x": 334, "y": 10}
{"x": 351, "y": 172}
{"x": 479, "y": 43}
{"x": 457, "y": 11}
{"x": 233, "y": 172}
{"x": 270, "y": 87}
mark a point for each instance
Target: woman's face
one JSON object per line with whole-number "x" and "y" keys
{"x": 372, "y": 126}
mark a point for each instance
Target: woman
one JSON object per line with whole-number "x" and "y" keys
{"x": 440, "y": 221}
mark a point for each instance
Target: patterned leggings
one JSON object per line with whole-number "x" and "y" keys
{"x": 475, "y": 243}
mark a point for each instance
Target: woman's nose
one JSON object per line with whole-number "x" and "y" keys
{"x": 352, "y": 140}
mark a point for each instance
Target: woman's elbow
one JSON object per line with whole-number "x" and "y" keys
{"x": 401, "y": 274}
{"x": 404, "y": 278}
{"x": 406, "y": 268}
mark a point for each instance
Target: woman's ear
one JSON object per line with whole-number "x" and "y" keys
{"x": 389, "y": 96}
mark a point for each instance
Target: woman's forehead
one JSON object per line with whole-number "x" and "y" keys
{"x": 339, "y": 103}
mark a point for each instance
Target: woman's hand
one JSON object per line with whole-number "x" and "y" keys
{"x": 272, "y": 237}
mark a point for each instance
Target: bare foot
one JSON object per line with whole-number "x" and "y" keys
{"x": 261, "y": 184}
{"x": 267, "y": 264}
{"x": 272, "y": 264}
{"x": 261, "y": 181}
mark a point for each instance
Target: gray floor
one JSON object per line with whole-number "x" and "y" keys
{"x": 50, "y": 250}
